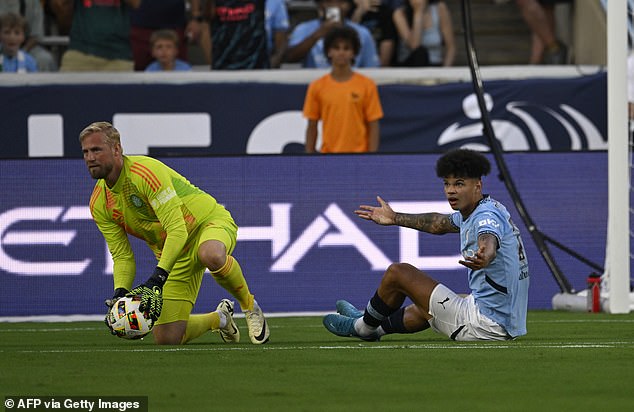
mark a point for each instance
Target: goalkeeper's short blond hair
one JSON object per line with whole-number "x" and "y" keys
{"x": 112, "y": 135}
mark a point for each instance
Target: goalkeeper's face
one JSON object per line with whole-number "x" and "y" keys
{"x": 100, "y": 157}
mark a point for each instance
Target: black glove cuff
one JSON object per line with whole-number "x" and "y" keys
{"x": 158, "y": 278}
{"x": 119, "y": 293}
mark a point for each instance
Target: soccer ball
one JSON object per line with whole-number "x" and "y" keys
{"x": 127, "y": 321}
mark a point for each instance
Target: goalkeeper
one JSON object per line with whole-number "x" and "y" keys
{"x": 187, "y": 230}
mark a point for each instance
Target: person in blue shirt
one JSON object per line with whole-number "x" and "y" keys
{"x": 492, "y": 251}
{"x": 306, "y": 43}
{"x": 164, "y": 44}
{"x": 12, "y": 35}
{"x": 277, "y": 27}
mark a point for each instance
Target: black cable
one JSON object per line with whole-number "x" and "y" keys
{"x": 505, "y": 176}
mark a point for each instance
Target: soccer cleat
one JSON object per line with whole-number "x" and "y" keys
{"x": 346, "y": 308}
{"x": 258, "y": 329}
{"x": 230, "y": 333}
{"x": 344, "y": 326}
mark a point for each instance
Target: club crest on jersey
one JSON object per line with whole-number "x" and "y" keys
{"x": 136, "y": 200}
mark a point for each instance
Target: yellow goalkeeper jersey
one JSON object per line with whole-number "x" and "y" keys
{"x": 153, "y": 202}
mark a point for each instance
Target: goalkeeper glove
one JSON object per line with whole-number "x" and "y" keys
{"x": 118, "y": 294}
{"x": 151, "y": 293}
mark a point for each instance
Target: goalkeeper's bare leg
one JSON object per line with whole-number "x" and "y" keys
{"x": 170, "y": 333}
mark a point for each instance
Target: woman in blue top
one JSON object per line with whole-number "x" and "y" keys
{"x": 425, "y": 34}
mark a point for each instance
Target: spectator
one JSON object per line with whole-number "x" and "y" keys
{"x": 238, "y": 34}
{"x": 277, "y": 28}
{"x": 99, "y": 35}
{"x": 537, "y": 45}
{"x": 377, "y": 16}
{"x": 306, "y": 42}
{"x": 58, "y": 16}
{"x": 33, "y": 13}
{"x": 12, "y": 34}
{"x": 154, "y": 15}
{"x": 165, "y": 50}
{"x": 347, "y": 102}
{"x": 425, "y": 34}
{"x": 539, "y": 16}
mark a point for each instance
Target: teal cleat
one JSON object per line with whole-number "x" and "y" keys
{"x": 346, "y": 308}
{"x": 344, "y": 326}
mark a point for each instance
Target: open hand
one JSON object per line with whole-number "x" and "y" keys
{"x": 382, "y": 214}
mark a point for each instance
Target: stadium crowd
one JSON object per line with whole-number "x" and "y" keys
{"x": 115, "y": 35}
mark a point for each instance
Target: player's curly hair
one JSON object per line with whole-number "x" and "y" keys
{"x": 112, "y": 134}
{"x": 462, "y": 163}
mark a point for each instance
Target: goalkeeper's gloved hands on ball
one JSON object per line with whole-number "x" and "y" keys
{"x": 151, "y": 293}
{"x": 118, "y": 294}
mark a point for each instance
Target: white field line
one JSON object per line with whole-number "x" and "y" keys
{"x": 93, "y": 318}
{"x": 583, "y": 321}
{"x": 366, "y": 346}
{"x": 604, "y": 345}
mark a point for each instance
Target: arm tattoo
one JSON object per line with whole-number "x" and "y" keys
{"x": 435, "y": 223}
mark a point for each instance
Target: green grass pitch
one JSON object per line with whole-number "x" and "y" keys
{"x": 567, "y": 362}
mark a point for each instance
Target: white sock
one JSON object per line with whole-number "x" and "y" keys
{"x": 362, "y": 328}
{"x": 223, "y": 320}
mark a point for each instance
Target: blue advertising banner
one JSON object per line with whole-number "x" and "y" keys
{"x": 540, "y": 114}
{"x": 299, "y": 242}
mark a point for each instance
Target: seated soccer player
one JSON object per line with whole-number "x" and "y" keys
{"x": 492, "y": 251}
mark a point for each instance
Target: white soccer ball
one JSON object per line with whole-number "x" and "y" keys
{"x": 127, "y": 321}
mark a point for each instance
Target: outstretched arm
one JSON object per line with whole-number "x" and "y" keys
{"x": 435, "y": 223}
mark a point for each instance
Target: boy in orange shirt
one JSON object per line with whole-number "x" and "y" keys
{"x": 346, "y": 101}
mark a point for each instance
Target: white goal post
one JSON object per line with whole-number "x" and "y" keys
{"x": 617, "y": 265}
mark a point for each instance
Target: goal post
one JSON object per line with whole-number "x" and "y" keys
{"x": 618, "y": 233}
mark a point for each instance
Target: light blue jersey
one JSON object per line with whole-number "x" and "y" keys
{"x": 275, "y": 19}
{"x": 179, "y": 66}
{"x": 23, "y": 62}
{"x": 501, "y": 289}
{"x": 367, "y": 57}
